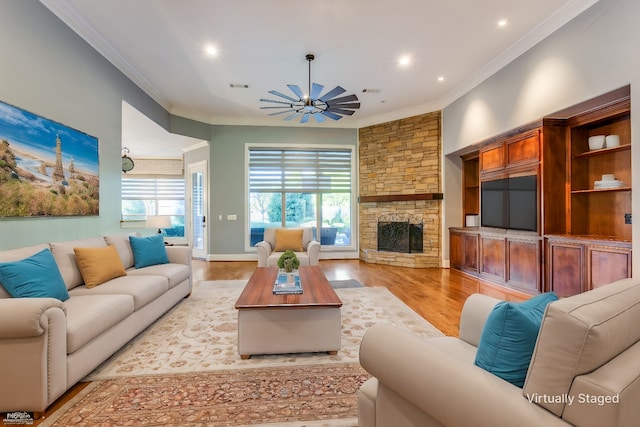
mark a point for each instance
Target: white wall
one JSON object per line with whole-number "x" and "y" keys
{"x": 593, "y": 54}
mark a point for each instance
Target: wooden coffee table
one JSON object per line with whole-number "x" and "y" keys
{"x": 278, "y": 324}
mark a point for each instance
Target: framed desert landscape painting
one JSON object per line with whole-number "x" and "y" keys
{"x": 46, "y": 168}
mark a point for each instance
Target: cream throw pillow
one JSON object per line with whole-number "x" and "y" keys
{"x": 289, "y": 239}
{"x": 98, "y": 265}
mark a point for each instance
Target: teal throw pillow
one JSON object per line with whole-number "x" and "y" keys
{"x": 509, "y": 337}
{"x": 148, "y": 250}
{"x": 35, "y": 277}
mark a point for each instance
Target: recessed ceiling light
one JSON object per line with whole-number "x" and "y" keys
{"x": 502, "y": 23}
{"x": 211, "y": 50}
{"x": 404, "y": 60}
{"x": 441, "y": 78}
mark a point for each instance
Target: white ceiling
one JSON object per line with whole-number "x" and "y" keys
{"x": 160, "y": 45}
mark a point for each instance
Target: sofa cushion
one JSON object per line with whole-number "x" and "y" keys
{"x": 270, "y": 236}
{"x": 123, "y": 245}
{"x": 148, "y": 250}
{"x": 88, "y": 316}
{"x": 66, "y": 258}
{"x": 143, "y": 288}
{"x": 509, "y": 336}
{"x": 581, "y": 333}
{"x": 34, "y": 277}
{"x": 175, "y": 273}
{"x": 288, "y": 238}
{"x": 98, "y": 265}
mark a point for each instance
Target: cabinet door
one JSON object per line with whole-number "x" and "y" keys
{"x": 565, "y": 268}
{"x": 524, "y": 265}
{"x": 493, "y": 258}
{"x": 471, "y": 252}
{"x": 524, "y": 150}
{"x": 492, "y": 158}
{"x": 607, "y": 264}
{"x": 456, "y": 250}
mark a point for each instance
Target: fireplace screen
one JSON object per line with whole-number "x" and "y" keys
{"x": 399, "y": 237}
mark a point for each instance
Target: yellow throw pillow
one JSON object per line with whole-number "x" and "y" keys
{"x": 98, "y": 265}
{"x": 288, "y": 239}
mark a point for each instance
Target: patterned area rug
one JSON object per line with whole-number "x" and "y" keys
{"x": 184, "y": 370}
{"x": 317, "y": 395}
{"x": 200, "y": 333}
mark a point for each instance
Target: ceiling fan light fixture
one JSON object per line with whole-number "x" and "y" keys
{"x": 313, "y": 103}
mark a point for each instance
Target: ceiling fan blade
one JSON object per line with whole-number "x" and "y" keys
{"x": 280, "y": 112}
{"x": 352, "y": 105}
{"x": 319, "y": 117}
{"x": 305, "y": 118}
{"x": 333, "y": 92}
{"x": 272, "y": 108}
{"x": 292, "y": 116}
{"x": 341, "y": 111}
{"x": 275, "y": 92}
{"x": 274, "y": 101}
{"x": 342, "y": 99}
{"x": 296, "y": 89}
{"x": 331, "y": 115}
{"x": 315, "y": 90}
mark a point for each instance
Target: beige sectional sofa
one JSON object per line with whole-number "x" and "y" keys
{"x": 584, "y": 370}
{"x": 47, "y": 346}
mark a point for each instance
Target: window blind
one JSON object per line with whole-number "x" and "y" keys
{"x": 152, "y": 188}
{"x": 299, "y": 171}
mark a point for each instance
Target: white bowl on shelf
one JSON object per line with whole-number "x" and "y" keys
{"x": 596, "y": 142}
{"x": 611, "y": 141}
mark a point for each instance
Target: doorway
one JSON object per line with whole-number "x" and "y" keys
{"x": 197, "y": 179}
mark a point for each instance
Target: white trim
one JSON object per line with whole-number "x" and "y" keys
{"x": 254, "y": 257}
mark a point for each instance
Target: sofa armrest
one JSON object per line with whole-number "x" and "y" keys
{"x": 179, "y": 254}
{"x": 23, "y": 317}
{"x": 264, "y": 250}
{"x": 452, "y": 392}
{"x": 33, "y": 353}
{"x": 313, "y": 252}
{"x": 474, "y": 315}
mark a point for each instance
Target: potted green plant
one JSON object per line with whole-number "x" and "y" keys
{"x": 288, "y": 261}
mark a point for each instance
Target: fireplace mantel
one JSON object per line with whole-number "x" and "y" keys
{"x": 400, "y": 197}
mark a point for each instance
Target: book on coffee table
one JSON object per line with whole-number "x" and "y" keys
{"x": 284, "y": 285}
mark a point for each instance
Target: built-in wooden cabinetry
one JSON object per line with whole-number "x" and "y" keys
{"x": 583, "y": 238}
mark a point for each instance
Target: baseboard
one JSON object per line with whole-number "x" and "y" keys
{"x": 254, "y": 257}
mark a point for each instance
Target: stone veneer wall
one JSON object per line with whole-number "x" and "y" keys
{"x": 401, "y": 157}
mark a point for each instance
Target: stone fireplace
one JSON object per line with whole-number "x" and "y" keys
{"x": 400, "y": 175}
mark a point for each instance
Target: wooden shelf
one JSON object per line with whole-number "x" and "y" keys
{"x": 400, "y": 197}
{"x": 601, "y": 190}
{"x": 603, "y": 151}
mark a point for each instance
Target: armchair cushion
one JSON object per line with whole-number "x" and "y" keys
{"x": 34, "y": 277}
{"x": 288, "y": 239}
{"x": 509, "y": 337}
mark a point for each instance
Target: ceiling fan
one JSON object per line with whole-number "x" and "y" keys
{"x": 320, "y": 107}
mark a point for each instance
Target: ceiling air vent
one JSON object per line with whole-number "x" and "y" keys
{"x": 370, "y": 90}
{"x": 238, "y": 86}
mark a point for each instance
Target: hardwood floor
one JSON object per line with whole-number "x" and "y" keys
{"x": 436, "y": 294}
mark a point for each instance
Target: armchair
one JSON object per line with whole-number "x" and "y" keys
{"x": 277, "y": 240}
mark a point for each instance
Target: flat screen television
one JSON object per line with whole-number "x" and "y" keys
{"x": 510, "y": 203}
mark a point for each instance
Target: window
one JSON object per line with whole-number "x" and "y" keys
{"x": 154, "y": 196}
{"x": 301, "y": 187}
